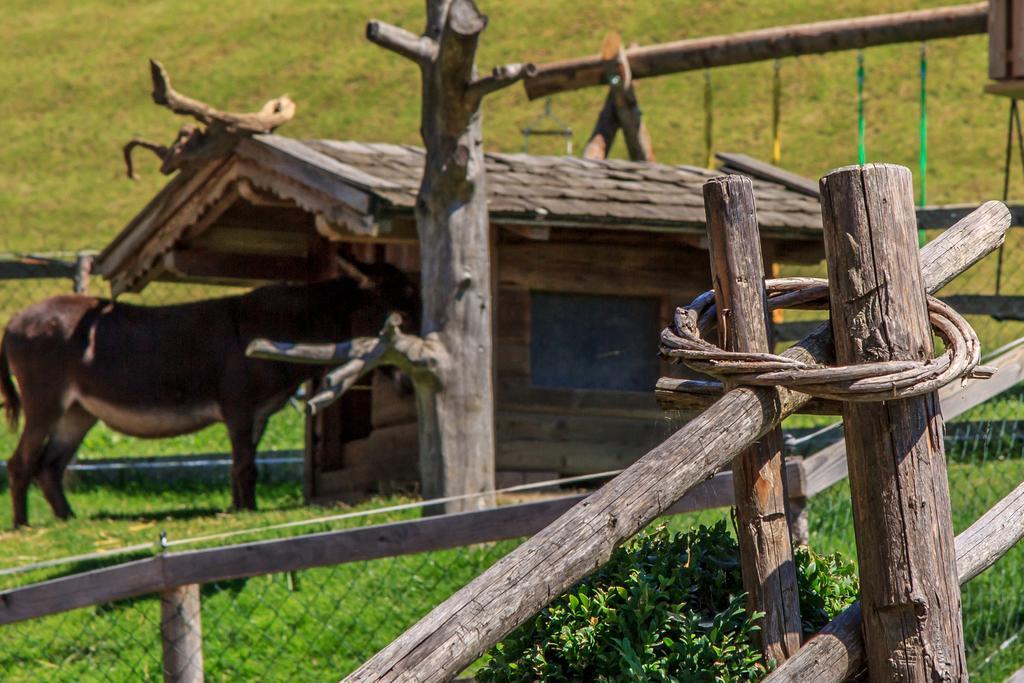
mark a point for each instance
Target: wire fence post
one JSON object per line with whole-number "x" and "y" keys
{"x": 181, "y": 630}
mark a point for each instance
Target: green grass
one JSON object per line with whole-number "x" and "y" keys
{"x": 319, "y": 624}
{"x": 79, "y": 88}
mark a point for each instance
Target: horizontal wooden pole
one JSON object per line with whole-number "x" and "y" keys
{"x": 837, "y": 652}
{"x": 766, "y": 44}
{"x": 517, "y": 586}
{"x": 695, "y": 395}
{"x": 169, "y": 570}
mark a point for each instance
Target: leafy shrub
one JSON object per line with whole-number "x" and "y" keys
{"x": 665, "y": 608}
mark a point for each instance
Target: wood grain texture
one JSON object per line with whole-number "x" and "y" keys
{"x": 762, "y": 524}
{"x": 910, "y": 598}
{"x": 459, "y": 630}
{"x": 181, "y": 633}
{"x": 836, "y": 652}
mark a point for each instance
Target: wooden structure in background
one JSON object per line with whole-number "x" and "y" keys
{"x": 571, "y": 237}
{"x": 621, "y": 111}
{"x": 1006, "y": 46}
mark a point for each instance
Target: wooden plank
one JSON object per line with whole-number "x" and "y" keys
{"x": 601, "y": 268}
{"x": 748, "y": 165}
{"x": 30, "y": 268}
{"x": 762, "y": 517}
{"x": 940, "y": 217}
{"x": 305, "y": 165}
{"x": 181, "y": 634}
{"x": 123, "y": 581}
{"x": 215, "y": 267}
{"x": 455, "y": 633}
{"x": 998, "y": 50}
{"x": 516, "y": 394}
{"x": 910, "y": 598}
{"x": 765, "y": 44}
{"x": 836, "y": 653}
{"x": 998, "y": 307}
{"x": 1015, "y": 26}
{"x": 828, "y": 466}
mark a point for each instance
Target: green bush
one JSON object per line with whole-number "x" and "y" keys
{"x": 665, "y": 608}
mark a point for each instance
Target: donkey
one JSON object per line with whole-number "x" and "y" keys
{"x": 163, "y": 371}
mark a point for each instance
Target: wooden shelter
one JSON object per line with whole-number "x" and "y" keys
{"x": 598, "y": 249}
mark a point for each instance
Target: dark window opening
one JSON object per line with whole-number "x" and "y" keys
{"x": 586, "y": 341}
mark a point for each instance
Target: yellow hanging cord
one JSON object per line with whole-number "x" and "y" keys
{"x": 776, "y": 113}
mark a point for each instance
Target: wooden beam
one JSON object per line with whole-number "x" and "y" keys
{"x": 215, "y": 267}
{"x": 765, "y": 44}
{"x": 459, "y": 630}
{"x": 621, "y": 104}
{"x": 836, "y": 653}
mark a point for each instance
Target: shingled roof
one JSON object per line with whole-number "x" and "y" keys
{"x": 580, "y": 191}
{"x": 367, "y": 189}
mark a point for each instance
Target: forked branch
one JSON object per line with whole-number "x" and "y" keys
{"x": 222, "y": 130}
{"x": 415, "y": 356}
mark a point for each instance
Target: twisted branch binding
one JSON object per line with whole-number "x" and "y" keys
{"x": 883, "y": 381}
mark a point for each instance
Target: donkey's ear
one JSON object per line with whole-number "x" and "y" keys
{"x": 352, "y": 270}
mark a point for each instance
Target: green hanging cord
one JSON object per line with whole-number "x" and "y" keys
{"x": 923, "y": 199}
{"x": 776, "y": 113}
{"x": 861, "y": 151}
{"x": 709, "y": 121}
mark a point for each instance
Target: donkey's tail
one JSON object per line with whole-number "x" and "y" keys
{"x": 12, "y": 401}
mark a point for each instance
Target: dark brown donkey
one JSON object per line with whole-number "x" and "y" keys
{"x": 163, "y": 371}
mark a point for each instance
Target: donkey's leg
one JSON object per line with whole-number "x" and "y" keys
{"x": 24, "y": 464}
{"x": 243, "y": 462}
{"x": 60, "y": 449}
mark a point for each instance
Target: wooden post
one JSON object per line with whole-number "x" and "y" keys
{"x": 766, "y": 554}
{"x": 620, "y": 110}
{"x": 910, "y": 596}
{"x": 181, "y": 629}
{"x": 518, "y": 585}
{"x": 456, "y": 434}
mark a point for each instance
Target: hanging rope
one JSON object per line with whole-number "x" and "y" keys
{"x": 776, "y": 112}
{"x": 861, "y": 151}
{"x": 1014, "y": 122}
{"x": 709, "y": 121}
{"x": 882, "y": 381}
{"x": 924, "y": 136}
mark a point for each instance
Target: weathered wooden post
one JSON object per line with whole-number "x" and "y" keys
{"x": 910, "y": 595}
{"x": 766, "y": 553}
{"x": 181, "y": 629}
{"x": 620, "y": 110}
{"x": 457, "y": 436}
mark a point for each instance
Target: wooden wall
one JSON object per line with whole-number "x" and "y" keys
{"x": 544, "y": 430}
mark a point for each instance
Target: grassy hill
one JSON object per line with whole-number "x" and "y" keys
{"x": 75, "y": 84}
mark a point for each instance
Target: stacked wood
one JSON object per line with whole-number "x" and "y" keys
{"x": 621, "y": 109}
{"x": 767, "y": 44}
